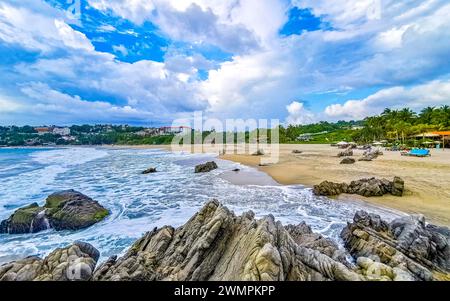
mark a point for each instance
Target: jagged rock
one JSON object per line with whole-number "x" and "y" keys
{"x": 370, "y": 155}
{"x": 348, "y": 161}
{"x": 72, "y": 210}
{"x": 346, "y": 153}
{"x": 29, "y": 219}
{"x": 149, "y": 170}
{"x": 365, "y": 187}
{"x": 413, "y": 250}
{"x": 398, "y": 186}
{"x": 74, "y": 263}
{"x": 207, "y": 167}
{"x": 216, "y": 245}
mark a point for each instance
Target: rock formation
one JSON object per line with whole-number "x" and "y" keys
{"x": 405, "y": 249}
{"x": 74, "y": 263}
{"x": 370, "y": 155}
{"x": 365, "y": 187}
{"x": 348, "y": 160}
{"x": 207, "y": 167}
{"x": 217, "y": 245}
{"x": 149, "y": 170}
{"x": 346, "y": 153}
{"x": 65, "y": 210}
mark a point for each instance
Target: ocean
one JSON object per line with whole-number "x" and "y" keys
{"x": 138, "y": 203}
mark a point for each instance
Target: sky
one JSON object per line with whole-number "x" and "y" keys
{"x": 148, "y": 62}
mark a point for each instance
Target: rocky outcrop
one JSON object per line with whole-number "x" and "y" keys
{"x": 65, "y": 210}
{"x": 72, "y": 210}
{"x": 348, "y": 161}
{"x": 365, "y": 187}
{"x": 29, "y": 219}
{"x": 405, "y": 249}
{"x": 346, "y": 153}
{"x": 74, "y": 263}
{"x": 370, "y": 155}
{"x": 217, "y": 245}
{"x": 149, "y": 170}
{"x": 207, "y": 167}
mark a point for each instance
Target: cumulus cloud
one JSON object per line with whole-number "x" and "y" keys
{"x": 298, "y": 114}
{"x": 435, "y": 93}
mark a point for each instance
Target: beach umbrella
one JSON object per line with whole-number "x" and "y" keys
{"x": 342, "y": 143}
{"x": 377, "y": 143}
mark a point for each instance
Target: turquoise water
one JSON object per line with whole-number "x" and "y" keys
{"x": 138, "y": 203}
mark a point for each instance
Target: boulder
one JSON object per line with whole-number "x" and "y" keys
{"x": 348, "y": 161}
{"x": 406, "y": 248}
{"x": 346, "y": 153}
{"x": 149, "y": 170}
{"x": 365, "y": 187}
{"x": 29, "y": 219}
{"x": 72, "y": 210}
{"x": 207, "y": 167}
{"x": 217, "y": 245}
{"x": 74, "y": 263}
{"x": 259, "y": 152}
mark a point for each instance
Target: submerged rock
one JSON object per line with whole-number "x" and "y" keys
{"x": 74, "y": 263}
{"x": 65, "y": 210}
{"x": 217, "y": 245}
{"x": 365, "y": 187}
{"x": 405, "y": 249}
{"x": 207, "y": 167}
{"x": 149, "y": 170}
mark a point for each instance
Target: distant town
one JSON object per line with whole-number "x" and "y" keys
{"x": 87, "y": 135}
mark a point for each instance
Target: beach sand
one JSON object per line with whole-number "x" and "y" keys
{"x": 427, "y": 180}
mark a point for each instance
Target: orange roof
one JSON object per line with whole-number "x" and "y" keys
{"x": 444, "y": 133}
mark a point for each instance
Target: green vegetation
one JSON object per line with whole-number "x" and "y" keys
{"x": 396, "y": 126}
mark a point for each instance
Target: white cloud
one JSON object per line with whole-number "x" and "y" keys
{"x": 120, "y": 49}
{"x": 298, "y": 114}
{"x": 434, "y": 93}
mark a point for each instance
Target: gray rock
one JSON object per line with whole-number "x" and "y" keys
{"x": 348, "y": 161}
{"x": 365, "y": 187}
{"x": 413, "y": 250}
{"x": 217, "y": 245}
{"x": 74, "y": 263}
{"x": 207, "y": 167}
{"x": 149, "y": 170}
{"x": 346, "y": 153}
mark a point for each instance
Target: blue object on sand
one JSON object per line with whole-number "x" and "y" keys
{"x": 419, "y": 152}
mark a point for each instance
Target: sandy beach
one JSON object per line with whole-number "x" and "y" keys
{"x": 426, "y": 179}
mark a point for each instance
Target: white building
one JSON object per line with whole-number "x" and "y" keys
{"x": 61, "y": 131}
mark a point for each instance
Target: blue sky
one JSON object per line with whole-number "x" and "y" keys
{"x": 153, "y": 61}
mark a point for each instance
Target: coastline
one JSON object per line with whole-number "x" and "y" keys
{"x": 425, "y": 178}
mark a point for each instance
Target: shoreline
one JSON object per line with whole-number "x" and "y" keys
{"x": 425, "y": 178}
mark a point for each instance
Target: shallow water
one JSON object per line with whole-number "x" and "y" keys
{"x": 138, "y": 203}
